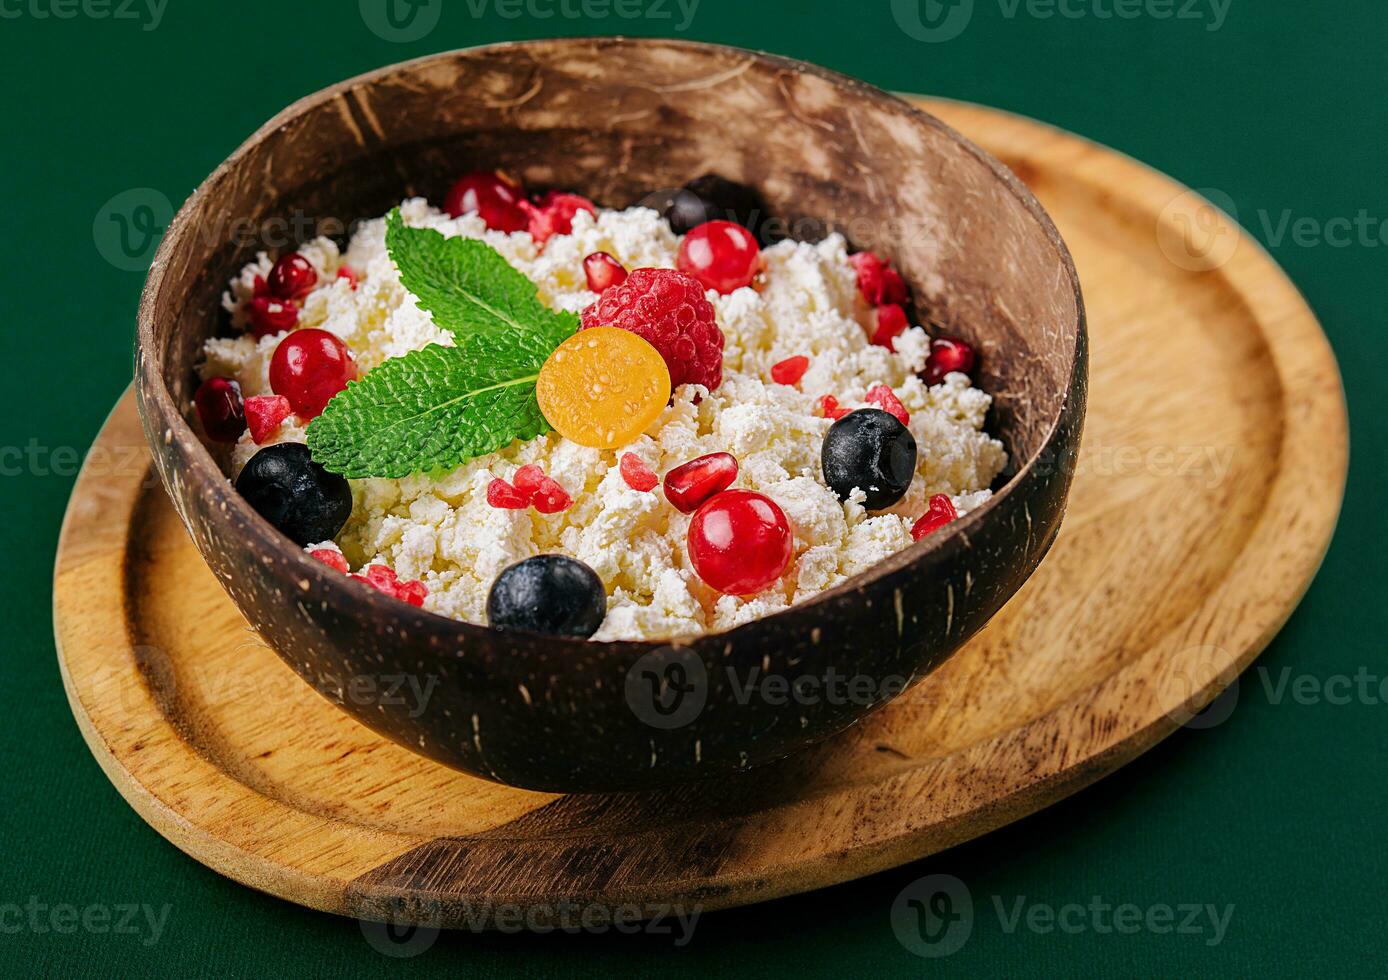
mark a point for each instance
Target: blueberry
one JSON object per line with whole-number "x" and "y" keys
{"x": 551, "y": 594}
{"x": 292, "y": 492}
{"x": 681, "y": 208}
{"x": 871, "y": 450}
{"x": 712, "y": 198}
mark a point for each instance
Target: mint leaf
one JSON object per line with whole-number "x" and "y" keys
{"x": 467, "y": 287}
{"x": 436, "y": 408}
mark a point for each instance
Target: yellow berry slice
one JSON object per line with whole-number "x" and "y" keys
{"x": 603, "y": 387}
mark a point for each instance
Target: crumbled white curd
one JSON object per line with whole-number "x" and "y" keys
{"x": 441, "y": 529}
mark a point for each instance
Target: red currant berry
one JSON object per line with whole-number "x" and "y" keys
{"x": 879, "y": 283}
{"x": 690, "y": 484}
{"x": 309, "y": 367}
{"x": 603, "y": 271}
{"x": 948, "y": 354}
{"x": 270, "y": 316}
{"x": 791, "y": 370}
{"x": 264, "y": 413}
{"x": 221, "y": 410}
{"x": 636, "y": 473}
{"x": 332, "y": 558}
{"x": 496, "y": 200}
{"x": 721, "y": 255}
{"x": 891, "y": 324}
{"x": 740, "y": 542}
{"x": 884, "y": 398}
{"x": 940, "y": 513}
{"x": 503, "y": 496}
{"x": 292, "y": 277}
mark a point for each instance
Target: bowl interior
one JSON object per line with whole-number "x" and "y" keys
{"x": 615, "y": 119}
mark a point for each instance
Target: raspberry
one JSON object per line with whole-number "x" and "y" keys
{"x": 669, "y": 310}
{"x": 636, "y": 473}
{"x": 884, "y": 398}
{"x": 879, "y": 283}
{"x": 264, "y": 413}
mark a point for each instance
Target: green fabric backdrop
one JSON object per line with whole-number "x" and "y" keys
{"x": 1278, "y": 812}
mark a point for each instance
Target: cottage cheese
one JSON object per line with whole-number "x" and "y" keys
{"x": 441, "y": 529}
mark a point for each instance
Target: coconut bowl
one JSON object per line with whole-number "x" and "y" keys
{"x": 615, "y": 119}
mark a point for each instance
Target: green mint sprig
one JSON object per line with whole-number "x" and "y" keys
{"x": 436, "y": 408}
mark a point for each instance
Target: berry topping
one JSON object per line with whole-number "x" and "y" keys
{"x": 709, "y": 198}
{"x": 948, "y": 354}
{"x": 332, "y": 558}
{"x": 720, "y": 255}
{"x": 871, "y": 451}
{"x": 740, "y": 542}
{"x": 504, "y": 496}
{"x": 383, "y": 579}
{"x": 309, "y": 367}
{"x": 528, "y": 480}
{"x": 884, "y": 398}
{"x": 549, "y": 497}
{"x": 791, "y": 370}
{"x": 830, "y": 409}
{"x": 637, "y": 474}
{"x": 669, "y": 310}
{"x": 690, "y": 484}
{"x": 940, "y": 513}
{"x": 292, "y": 277}
{"x": 553, "y": 214}
{"x": 891, "y": 324}
{"x": 264, "y": 413}
{"x": 603, "y": 272}
{"x": 603, "y": 387}
{"x": 220, "y": 409}
{"x": 879, "y": 283}
{"x": 300, "y": 498}
{"x": 350, "y": 274}
{"x": 551, "y": 594}
{"x": 270, "y": 316}
{"x": 497, "y": 200}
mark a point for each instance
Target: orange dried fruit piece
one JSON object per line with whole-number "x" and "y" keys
{"x": 603, "y": 387}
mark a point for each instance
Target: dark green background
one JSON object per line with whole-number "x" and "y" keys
{"x": 1278, "y": 811}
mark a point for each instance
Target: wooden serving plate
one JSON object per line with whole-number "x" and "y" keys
{"x": 1211, "y": 477}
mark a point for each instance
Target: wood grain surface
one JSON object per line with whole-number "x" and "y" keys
{"x": 1209, "y": 483}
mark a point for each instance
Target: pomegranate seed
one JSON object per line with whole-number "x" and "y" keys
{"x": 309, "y": 367}
{"x": 948, "y": 354}
{"x": 414, "y": 592}
{"x": 264, "y": 413}
{"x": 350, "y": 274}
{"x": 690, "y": 484}
{"x": 603, "y": 272}
{"x": 550, "y": 497}
{"x": 940, "y": 513}
{"x": 496, "y": 199}
{"x": 331, "y": 558}
{"x": 891, "y": 324}
{"x": 382, "y": 577}
{"x": 791, "y": 370}
{"x": 740, "y": 542}
{"x": 723, "y": 256}
{"x": 292, "y": 277}
{"x": 884, "y": 398}
{"x": 528, "y": 480}
{"x": 270, "y": 316}
{"x": 879, "y": 283}
{"x": 553, "y": 214}
{"x": 259, "y": 288}
{"x": 636, "y": 473}
{"x": 829, "y": 405}
{"x": 221, "y": 410}
{"x": 503, "y": 496}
